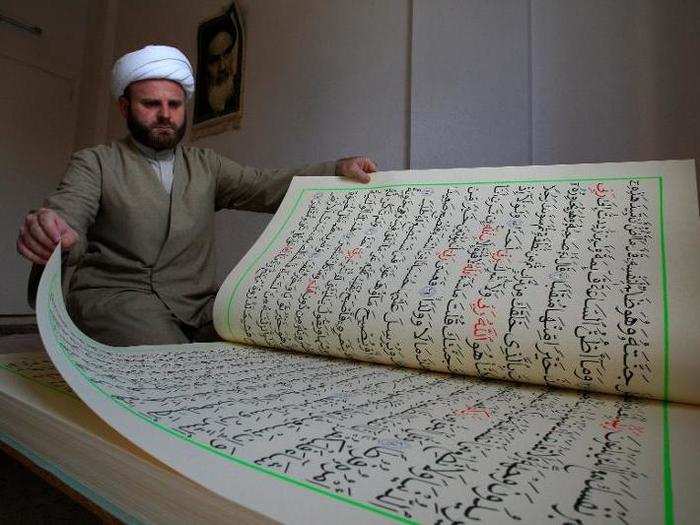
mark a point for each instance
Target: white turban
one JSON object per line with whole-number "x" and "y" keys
{"x": 152, "y": 62}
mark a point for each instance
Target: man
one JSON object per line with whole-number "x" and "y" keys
{"x": 137, "y": 215}
{"x": 220, "y": 42}
{"x": 221, "y": 71}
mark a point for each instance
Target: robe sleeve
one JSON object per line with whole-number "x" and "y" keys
{"x": 77, "y": 199}
{"x": 254, "y": 189}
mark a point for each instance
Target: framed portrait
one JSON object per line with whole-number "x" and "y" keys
{"x": 219, "y": 84}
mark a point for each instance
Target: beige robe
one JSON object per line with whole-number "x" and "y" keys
{"x": 146, "y": 254}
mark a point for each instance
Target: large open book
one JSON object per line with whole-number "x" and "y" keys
{"x": 484, "y": 317}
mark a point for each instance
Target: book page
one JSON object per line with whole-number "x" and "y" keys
{"x": 572, "y": 276}
{"x": 44, "y": 421}
{"x": 312, "y": 439}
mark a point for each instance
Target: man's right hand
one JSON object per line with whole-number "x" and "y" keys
{"x": 41, "y": 232}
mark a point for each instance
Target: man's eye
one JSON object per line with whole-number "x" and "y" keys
{"x": 175, "y": 105}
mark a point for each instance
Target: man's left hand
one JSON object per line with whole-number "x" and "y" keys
{"x": 357, "y": 168}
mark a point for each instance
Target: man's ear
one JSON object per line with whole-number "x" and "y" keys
{"x": 124, "y": 106}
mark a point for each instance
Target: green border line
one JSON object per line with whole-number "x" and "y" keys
{"x": 664, "y": 288}
{"x": 371, "y": 187}
{"x": 260, "y": 255}
{"x": 669, "y": 518}
{"x": 667, "y": 478}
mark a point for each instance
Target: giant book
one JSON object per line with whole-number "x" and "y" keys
{"x": 493, "y": 345}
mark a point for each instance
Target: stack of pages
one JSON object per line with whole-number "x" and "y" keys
{"x": 43, "y": 420}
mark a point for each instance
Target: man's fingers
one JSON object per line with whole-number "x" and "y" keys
{"x": 33, "y": 245}
{"x": 68, "y": 238}
{"x": 368, "y": 165}
{"x": 37, "y": 233}
{"x": 359, "y": 174}
{"x": 357, "y": 168}
{"x": 28, "y": 254}
{"x": 51, "y": 224}
{"x": 40, "y": 233}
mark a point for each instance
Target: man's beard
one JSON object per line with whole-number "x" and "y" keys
{"x": 156, "y": 139}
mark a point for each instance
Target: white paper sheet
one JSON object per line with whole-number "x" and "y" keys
{"x": 305, "y": 438}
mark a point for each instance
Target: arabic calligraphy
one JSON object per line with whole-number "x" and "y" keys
{"x": 554, "y": 284}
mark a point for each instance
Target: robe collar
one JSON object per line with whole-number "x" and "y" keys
{"x": 159, "y": 155}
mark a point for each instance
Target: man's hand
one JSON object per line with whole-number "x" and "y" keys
{"x": 357, "y": 168}
{"x": 41, "y": 232}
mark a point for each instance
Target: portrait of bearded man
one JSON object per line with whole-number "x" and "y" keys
{"x": 219, "y": 70}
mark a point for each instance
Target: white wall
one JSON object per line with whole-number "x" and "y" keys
{"x": 470, "y": 83}
{"x": 39, "y": 100}
{"x": 98, "y": 54}
{"x": 554, "y": 81}
{"x": 615, "y": 80}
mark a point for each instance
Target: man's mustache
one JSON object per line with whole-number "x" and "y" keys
{"x": 168, "y": 125}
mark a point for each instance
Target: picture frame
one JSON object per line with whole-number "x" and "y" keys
{"x": 220, "y": 70}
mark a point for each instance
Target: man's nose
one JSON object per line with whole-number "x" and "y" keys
{"x": 164, "y": 112}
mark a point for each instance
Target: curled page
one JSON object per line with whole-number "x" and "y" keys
{"x": 574, "y": 276}
{"x": 305, "y": 438}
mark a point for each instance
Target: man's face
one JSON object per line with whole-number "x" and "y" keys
{"x": 155, "y": 112}
{"x": 221, "y": 58}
